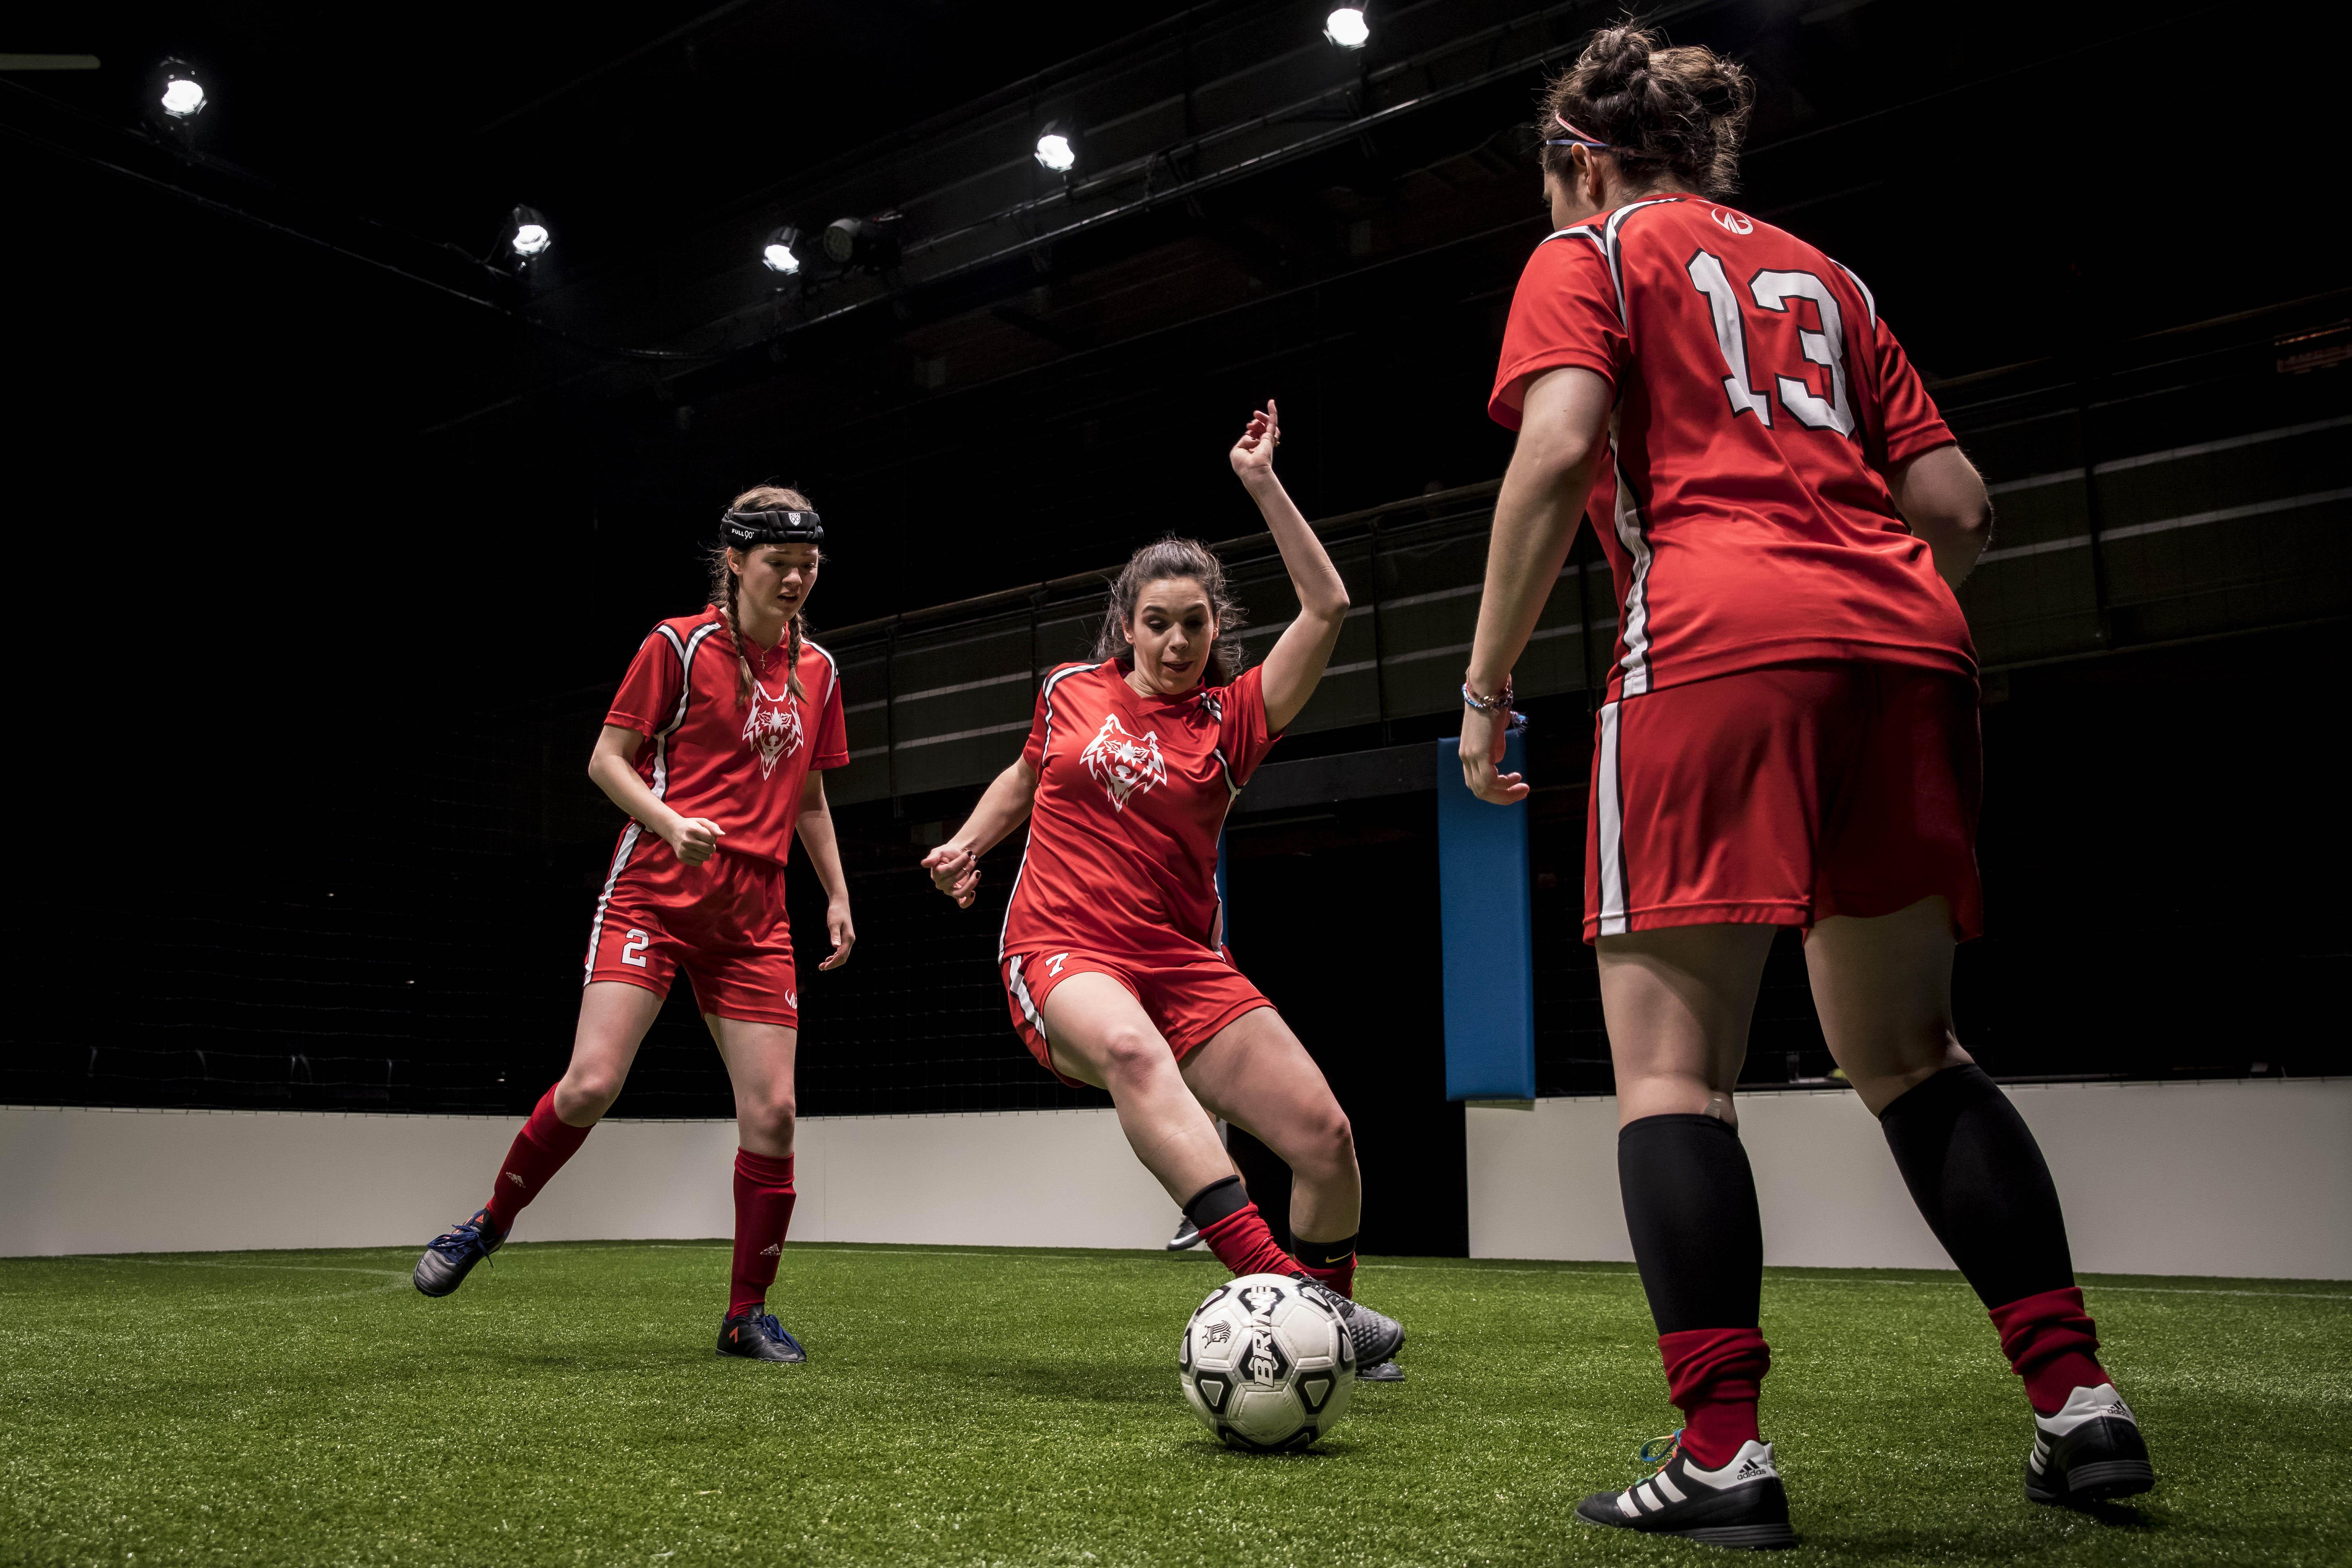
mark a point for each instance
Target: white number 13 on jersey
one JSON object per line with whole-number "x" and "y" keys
{"x": 1826, "y": 348}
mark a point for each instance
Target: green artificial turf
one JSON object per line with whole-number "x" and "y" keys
{"x": 977, "y": 1406}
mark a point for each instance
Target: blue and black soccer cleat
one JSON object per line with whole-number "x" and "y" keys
{"x": 757, "y": 1336}
{"x": 451, "y": 1256}
{"x": 2089, "y": 1452}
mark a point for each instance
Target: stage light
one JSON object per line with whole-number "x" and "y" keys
{"x": 527, "y": 233}
{"x": 1347, "y": 27}
{"x": 777, "y": 256}
{"x": 1054, "y": 151}
{"x": 870, "y": 243}
{"x": 183, "y": 95}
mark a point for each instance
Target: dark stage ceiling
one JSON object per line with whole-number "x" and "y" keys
{"x": 290, "y": 316}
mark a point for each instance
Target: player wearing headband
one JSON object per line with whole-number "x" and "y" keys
{"x": 1787, "y": 738}
{"x": 1112, "y": 954}
{"x": 715, "y": 746}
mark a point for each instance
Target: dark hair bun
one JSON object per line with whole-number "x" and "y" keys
{"x": 1680, "y": 111}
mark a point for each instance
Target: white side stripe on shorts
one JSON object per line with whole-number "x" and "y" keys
{"x": 1607, "y": 801}
{"x": 1021, "y": 994}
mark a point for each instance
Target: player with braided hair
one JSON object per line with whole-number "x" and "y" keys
{"x": 716, "y": 746}
{"x": 1113, "y": 955}
{"x": 1787, "y": 738}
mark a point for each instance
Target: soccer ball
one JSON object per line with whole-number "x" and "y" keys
{"x": 1266, "y": 1363}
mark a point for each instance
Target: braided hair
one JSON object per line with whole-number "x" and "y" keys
{"x": 726, "y": 584}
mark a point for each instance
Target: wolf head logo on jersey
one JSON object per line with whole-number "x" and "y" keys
{"x": 1124, "y": 763}
{"x": 773, "y": 728}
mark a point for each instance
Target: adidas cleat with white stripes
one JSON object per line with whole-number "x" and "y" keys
{"x": 2089, "y": 1452}
{"x": 1742, "y": 1505}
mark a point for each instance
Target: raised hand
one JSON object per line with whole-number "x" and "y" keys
{"x": 1253, "y": 455}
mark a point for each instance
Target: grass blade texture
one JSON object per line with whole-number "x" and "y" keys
{"x": 986, "y": 1406}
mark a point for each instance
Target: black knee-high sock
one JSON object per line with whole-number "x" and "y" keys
{"x": 1978, "y": 1178}
{"x": 1980, "y": 1182}
{"x": 1690, "y": 1207}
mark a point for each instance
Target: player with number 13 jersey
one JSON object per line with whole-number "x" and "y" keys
{"x": 1788, "y": 739}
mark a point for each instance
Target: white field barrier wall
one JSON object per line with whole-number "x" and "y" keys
{"x": 2250, "y": 1179}
{"x": 127, "y": 1180}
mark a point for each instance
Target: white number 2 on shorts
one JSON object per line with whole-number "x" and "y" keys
{"x": 634, "y": 949}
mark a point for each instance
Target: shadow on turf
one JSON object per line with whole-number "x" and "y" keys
{"x": 1992, "y": 1542}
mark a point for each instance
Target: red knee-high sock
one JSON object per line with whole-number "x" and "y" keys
{"x": 1243, "y": 1243}
{"x": 1715, "y": 1375}
{"x": 763, "y": 1212}
{"x": 539, "y": 1151}
{"x": 2052, "y": 1343}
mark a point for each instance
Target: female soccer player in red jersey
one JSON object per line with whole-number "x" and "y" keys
{"x": 1789, "y": 738}
{"x": 1112, "y": 952}
{"x": 715, "y": 746}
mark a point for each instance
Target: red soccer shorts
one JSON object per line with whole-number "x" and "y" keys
{"x": 1189, "y": 994}
{"x": 723, "y": 921}
{"x": 1784, "y": 796}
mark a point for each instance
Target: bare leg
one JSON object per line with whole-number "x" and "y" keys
{"x": 1883, "y": 989}
{"x": 614, "y": 1018}
{"x": 760, "y": 1063}
{"x": 1255, "y": 1075}
{"x": 1678, "y": 1002}
{"x": 1100, "y": 1035}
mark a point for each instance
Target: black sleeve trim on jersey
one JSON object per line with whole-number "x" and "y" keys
{"x": 1869, "y": 299}
{"x": 1046, "y": 692}
{"x": 686, "y": 651}
{"x": 829, "y": 664}
{"x": 1612, "y": 251}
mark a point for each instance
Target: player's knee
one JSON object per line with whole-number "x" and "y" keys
{"x": 769, "y": 1114}
{"x": 1130, "y": 1051}
{"x": 1331, "y": 1142}
{"x": 584, "y": 1097}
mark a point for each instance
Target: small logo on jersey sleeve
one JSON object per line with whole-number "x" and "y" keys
{"x": 1124, "y": 763}
{"x": 773, "y": 728}
{"x": 1734, "y": 222}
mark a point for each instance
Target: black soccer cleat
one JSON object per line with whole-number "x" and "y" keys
{"x": 1187, "y": 1236}
{"x": 757, "y": 1336}
{"x": 2089, "y": 1451}
{"x": 451, "y": 1256}
{"x": 1377, "y": 1336}
{"x": 1742, "y": 1505}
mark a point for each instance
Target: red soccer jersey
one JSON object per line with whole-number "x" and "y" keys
{"x": 709, "y": 756}
{"x": 1132, "y": 793}
{"x": 1759, "y": 402}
